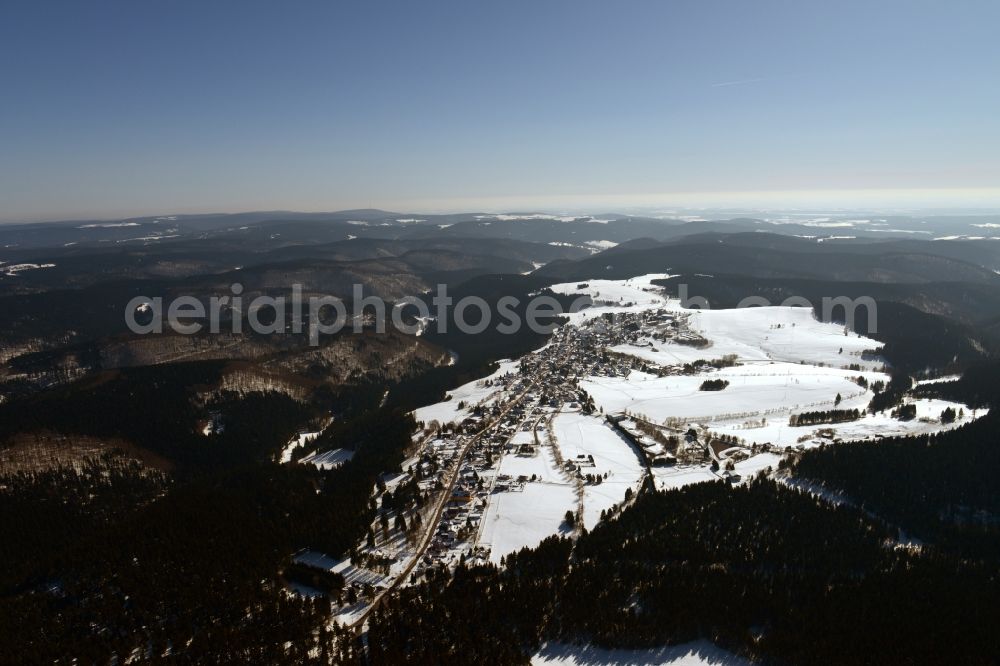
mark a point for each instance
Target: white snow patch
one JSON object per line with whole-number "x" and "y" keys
{"x": 329, "y": 459}
{"x": 14, "y": 269}
{"x": 532, "y": 216}
{"x": 670, "y": 478}
{"x": 827, "y": 224}
{"x": 695, "y": 653}
{"x": 150, "y": 238}
{"x": 301, "y": 439}
{"x": 938, "y": 380}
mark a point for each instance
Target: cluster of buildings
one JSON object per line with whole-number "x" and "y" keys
{"x": 462, "y": 458}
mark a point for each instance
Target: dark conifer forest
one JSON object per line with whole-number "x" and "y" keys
{"x": 768, "y": 572}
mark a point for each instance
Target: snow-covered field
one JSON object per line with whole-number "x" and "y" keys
{"x": 777, "y": 333}
{"x": 541, "y": 465}
{"x": 753, "y": 391}
{"x": 632, "y": 295}
{"x": 669, "y": 478}
{"x": 756, "y": 406}
{"x": 535, "y": 510}
{"x": 790, "y": 362}
{"x": 747, "y": 335}
{"x": 581, "y": 435}
{"x": 523, "y": 518}
{"x": 867, "y": 427}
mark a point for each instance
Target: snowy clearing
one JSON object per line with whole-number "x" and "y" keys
{"x": 472, "y": 393}
{"x": 580, "y": 436}
{"x": 523, "y": 518}
{"x": 695, "y": 653}
{"x": 301, "y": 439}
{"x": 13, "y": 269}
{"x": 769, "y": 391}
{"x": 632, "y": 295}
{"x": 329, "y": 459}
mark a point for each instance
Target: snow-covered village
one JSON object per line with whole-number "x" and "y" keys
{"x": 632, "y": 392}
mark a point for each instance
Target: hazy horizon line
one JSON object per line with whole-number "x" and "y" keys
{"x": 986, "y": 200}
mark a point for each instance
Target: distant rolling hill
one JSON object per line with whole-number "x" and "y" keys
{"x": 774, "y": 256}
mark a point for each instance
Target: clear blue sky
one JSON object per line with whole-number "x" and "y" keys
{"x": 120, "y": 108}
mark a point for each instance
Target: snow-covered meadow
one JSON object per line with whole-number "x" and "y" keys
{"x": 522, "y": 518}
{"x": 580, "y": 436}
{"x": 789, "y": 362}
{"x": 763, "y": 334}
{"x": 754, "y": 391}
